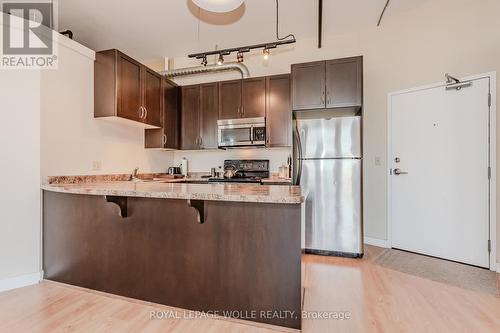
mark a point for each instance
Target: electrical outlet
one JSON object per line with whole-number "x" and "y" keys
{"x": 96, "y": 165}
{"x": 378, "y": 161}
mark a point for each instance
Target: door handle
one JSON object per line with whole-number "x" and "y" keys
{"x": 297, "y": 168}
{"x": 398, "y": 172}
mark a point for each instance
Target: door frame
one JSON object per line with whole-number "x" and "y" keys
{"x": 493, "y": 144}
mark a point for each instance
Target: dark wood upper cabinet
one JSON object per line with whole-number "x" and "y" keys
{"x": 171, "y": 116}
{"x": 278, "y": 111}
{"x": 199, "y": 113}
{"x": 308, "y": 85}
{"x": 153, "y": 97}
{"x": 190, "y": 117}
{"x": 334, "y": 83}
{"x": 253, "y": 97}
{"x": 127, "y": 89}
{"x": 242, "y": 98}
{"x": 230, "y": 99}
{"x": 166, "y": 137}
{"x": 209, "y": 112}
{"x": 344, "y": 82}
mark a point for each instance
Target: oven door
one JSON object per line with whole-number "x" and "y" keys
{"x": 235, "y": 135}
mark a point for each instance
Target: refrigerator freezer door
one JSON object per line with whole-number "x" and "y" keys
{"x": 333, "y": 211}
{"x": 330, "y": 138}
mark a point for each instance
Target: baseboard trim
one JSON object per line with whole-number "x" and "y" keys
{"x": 377, "y": 242}
{"x": 20, "y": 281}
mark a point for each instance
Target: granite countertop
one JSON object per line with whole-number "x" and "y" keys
{"x": 277, "y": 180}
{"x": 214, "y": 192}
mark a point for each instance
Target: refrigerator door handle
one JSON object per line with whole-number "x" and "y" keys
{"x": 298, "y": 168}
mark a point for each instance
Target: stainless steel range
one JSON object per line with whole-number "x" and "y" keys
{"x": 243, "y": 171}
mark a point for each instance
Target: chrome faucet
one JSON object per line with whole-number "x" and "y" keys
{"x": 133, "y": 176}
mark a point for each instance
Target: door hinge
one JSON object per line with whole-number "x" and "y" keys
{"x": 489, "y": 245}
{"x": 489, "y": 99}
{"x": 489, "y": 172}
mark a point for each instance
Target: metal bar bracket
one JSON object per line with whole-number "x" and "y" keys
{"x": 199, "y": 205}
{"x": 121, "y": 202}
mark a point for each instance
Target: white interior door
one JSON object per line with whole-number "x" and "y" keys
{"x": 441, "y": 139}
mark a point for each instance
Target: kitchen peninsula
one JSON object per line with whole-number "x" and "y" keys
{"x": 204, "y": 247}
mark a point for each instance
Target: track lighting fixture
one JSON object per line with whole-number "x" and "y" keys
{"x": 220, "y": 61}
{"x": 204, "y": 61}
{"x": 266, "y": 53}
{"x": 266, "y": 47}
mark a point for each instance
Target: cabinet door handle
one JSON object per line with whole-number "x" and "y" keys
{"x": 201, "y": 142}
{"x": 164, "y": 139}
{"x": 145, "y": 113}
{"x": 141, "y": 112}
{"x": 242, "y": 110}
{"x": 323, "y": 98}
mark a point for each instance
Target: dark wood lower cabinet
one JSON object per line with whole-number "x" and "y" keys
{"x": 245, "y": 257}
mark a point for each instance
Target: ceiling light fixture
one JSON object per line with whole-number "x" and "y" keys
{"x": 204, "y": 61}
{"x": 218, "y": 6}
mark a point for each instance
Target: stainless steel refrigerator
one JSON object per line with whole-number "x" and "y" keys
{"x": 328, "y": 167}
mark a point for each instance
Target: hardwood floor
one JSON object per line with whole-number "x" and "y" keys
{"x": 377, "y": 299}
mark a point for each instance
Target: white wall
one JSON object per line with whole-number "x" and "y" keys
{"x": 20, "y": 171}
{"x": 72, "y": 139}
{"x": 48, "y": 129}
{"x": 202, "y": 161}
{"x": 414, "y": 48}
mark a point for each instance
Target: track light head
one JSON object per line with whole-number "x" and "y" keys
{"x": 239, "y": 56}
{"x": 220, "y": 61}
{"x": 266, "y": 53}
{"x": 204, "y": 61}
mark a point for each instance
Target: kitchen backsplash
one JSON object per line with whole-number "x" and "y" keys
{"x": 202, "y": 161}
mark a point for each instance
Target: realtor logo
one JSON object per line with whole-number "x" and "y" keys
{"x": 27, "y": 40}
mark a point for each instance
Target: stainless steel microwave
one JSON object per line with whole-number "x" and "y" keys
{"x": 243, "y": 132}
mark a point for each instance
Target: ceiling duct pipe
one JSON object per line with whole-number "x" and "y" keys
{"x": 230, "y": 66}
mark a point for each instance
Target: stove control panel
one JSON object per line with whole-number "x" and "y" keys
{"x": 247, "y": 165}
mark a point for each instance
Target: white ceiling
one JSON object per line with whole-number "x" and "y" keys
{"x": 151, "y": 29}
